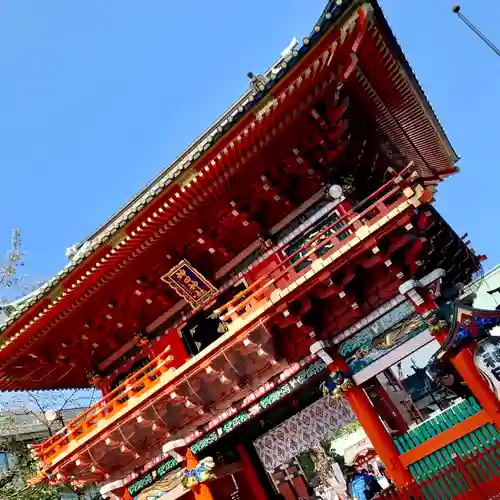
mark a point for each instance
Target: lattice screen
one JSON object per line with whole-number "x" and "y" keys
{"x": 302, "y": 431}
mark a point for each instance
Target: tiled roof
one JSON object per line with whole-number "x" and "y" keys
{"x": 231, "y": 117}
{"x": 332, "y": 12}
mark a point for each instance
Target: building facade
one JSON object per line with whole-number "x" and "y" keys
{"x": 246, "y": 302}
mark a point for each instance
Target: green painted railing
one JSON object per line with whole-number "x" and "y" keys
{"x": 437, "y": 424}
{"x": 311, "y": 235}
{"x": 474, "y": 478}
{"x": 473, "y": 444}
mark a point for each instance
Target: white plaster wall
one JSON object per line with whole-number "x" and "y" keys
{"x": 491, "y": 281}
{"x": 485, "y": 300}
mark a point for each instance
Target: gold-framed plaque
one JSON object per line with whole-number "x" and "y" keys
{"x": 189, "y": 283}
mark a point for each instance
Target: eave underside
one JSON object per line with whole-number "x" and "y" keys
{"x": 372, "y": 77}
{"x": 214, "y": 379}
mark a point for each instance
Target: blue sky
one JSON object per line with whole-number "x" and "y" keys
{"x": 97, "y": 97}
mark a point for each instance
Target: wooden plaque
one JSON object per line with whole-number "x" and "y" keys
{"x": 190, "y": 284}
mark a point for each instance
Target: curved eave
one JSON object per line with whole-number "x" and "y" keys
{"x": 130, "y": 235}
{"x": 232, "y": 121}
{"x": 424, "y": 101}
{"x": 130, "y": 230}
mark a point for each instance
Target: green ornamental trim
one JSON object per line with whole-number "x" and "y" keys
{"x": 154, "y": 475}
{"x": 231, "y": 424}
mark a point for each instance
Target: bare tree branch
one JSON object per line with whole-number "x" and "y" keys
{"x": 14, "y": 428}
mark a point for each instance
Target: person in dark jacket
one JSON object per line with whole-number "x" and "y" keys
{"x": 362, "y": 486}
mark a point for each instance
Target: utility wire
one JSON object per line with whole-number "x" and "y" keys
{"x": 487, "y": 41}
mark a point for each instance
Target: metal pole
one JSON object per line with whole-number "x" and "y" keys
{"x": 491, "y": 45}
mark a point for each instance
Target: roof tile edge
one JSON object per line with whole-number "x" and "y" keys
{"x": 334, "y": 12}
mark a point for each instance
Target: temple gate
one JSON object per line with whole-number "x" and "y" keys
{"x": 260, "y": 261}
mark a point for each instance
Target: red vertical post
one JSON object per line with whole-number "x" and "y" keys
{"x": 369, "y": 420}
{"x": 464, "y": 361}
{"x": 465, "y": 366}
{"x": 251, "y": 474}
{"x": 378, "y": 435}
{"x": 200, "y": 491}
{"x": 123, "y": 494}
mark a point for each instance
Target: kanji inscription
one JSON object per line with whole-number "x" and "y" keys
{"x": 190, "y": 284}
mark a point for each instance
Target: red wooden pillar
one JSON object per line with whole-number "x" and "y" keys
{"x": 391, "y": 413}
{"x": 378, "y": 435}
{"x": 465, "y": 366}
{"x": 344, "y": 207}
{"x": 464, "y": 361}
{"x": 251, "y": 474}
{"x": 200, "y": 491}
{"x": 369, "y": 420}
{"x": 123, "y": 494}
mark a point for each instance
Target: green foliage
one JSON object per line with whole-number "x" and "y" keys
{"x": 314, "y": 472}
{"x": 13, "y": 283}
{"x": 14, "y": 259}
{"x": 14, "y": 483}
{"x": 340, "y": 432}
{"x": 339, "y": 459}
{"x": 37, "y": 492}
{"x": 307, "y": 466}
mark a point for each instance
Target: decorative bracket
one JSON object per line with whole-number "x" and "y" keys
{"x": 336, "y": 384}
